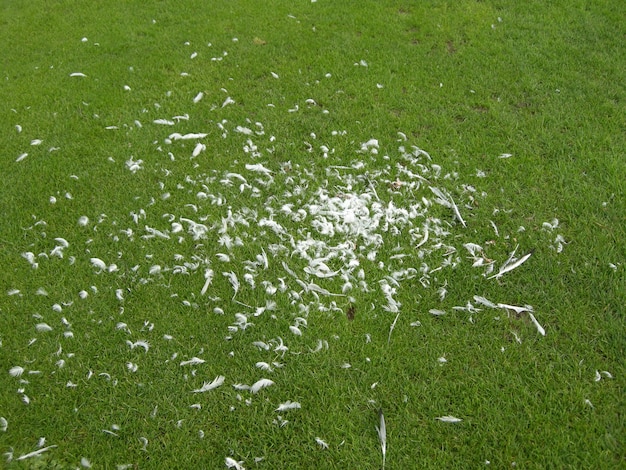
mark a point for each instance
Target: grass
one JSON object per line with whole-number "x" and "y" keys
{"x": 467, "y": 82}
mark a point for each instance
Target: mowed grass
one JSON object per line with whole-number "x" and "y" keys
{"x": 468, "y": 82}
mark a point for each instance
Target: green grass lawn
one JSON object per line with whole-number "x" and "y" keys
{"x": 232, "y": 232}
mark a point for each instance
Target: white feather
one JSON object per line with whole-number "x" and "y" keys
{"x": 510, "y": 265}
{"x": 164, "y": 122}
{"x": 219, "y": 380}
{"x": 232, "y": 463}
{"x": 449, "y": 419}
{"x": 447, "y": 201}
{"x": 483, "y": 301}
{"x": 391, "y": 328}
{"x": 321, "y": 443}
{"x": 295, "y": 330}
{"x": 141, "y": 343}
{"x": 35, "y": 453}
{"x": 232, "y": 278}
{"x": 16, "y": 371}
{"x": 199, "y": 148}
{"x": 260, "y": 384}
{"x": 288, "y": 405}
{"x": 98, "y": 263}
{"x": 193, "y": 361}
{"x": 208, "y": 275}
{"x": 382, "y": 435}
{"x": 536, "y": 323}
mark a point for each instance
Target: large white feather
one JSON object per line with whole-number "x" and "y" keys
{"x": 537, "y": 325}
{"x": 219, "y": 380}
{"x": 35, "y": 453}
{"x": 260, "y": 384}
{"x": 98, "y": 263}
{"x": 16, "y": 371}
{"x": 510, "y": 265}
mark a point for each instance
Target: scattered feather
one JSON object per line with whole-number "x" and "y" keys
{"x": 141, "y": 343}
{"x": 483, "y": 301}
{"x": 43, "y": 327}
{"x": 511, "y": 264}
{"x": 35, "y": 453}
{"x": 288, "y": 405}
{"x": 382, "y": 435}
{"x": 234, "y": 282}
{"x": 260, "y": 384}
{"x": 391, "y": 328}
{"x": 321, "y": 443}
{"x": 536, "y": 323}
{"x": 98, "y": 263}
{"x": 232, "y": 463}
{"x": 447, "y": 201}
{"x": 449, "y": 419}
{"x": 16, "y": 371}
{"x": 219, "y": 380}
{"x": 193, "y": 361}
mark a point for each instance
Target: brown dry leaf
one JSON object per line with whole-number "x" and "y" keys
{"x": 259, "y": 41}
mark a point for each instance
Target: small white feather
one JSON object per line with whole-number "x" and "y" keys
{"x": 322, "y": 443}
{"x": 193, "y": 361}
{"x": 382, "y": 435}
{"x": 288, "y": 405}
{"x": 141, "y": 343}
{"x": 449, "y": 419}
{"x": 198, "y": 97}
